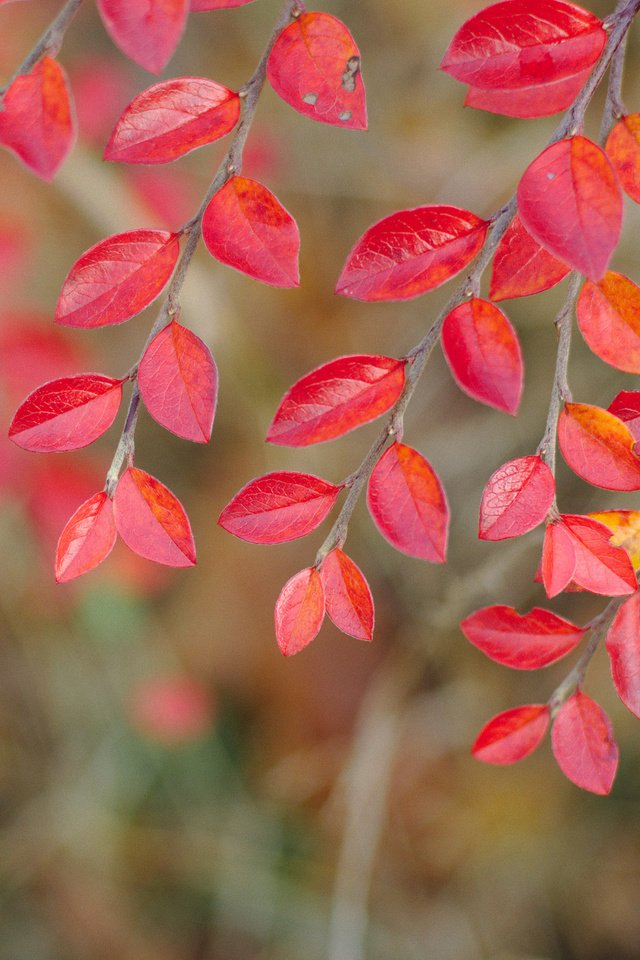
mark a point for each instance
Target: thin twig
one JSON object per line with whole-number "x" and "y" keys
{"x": 49, "y": 43}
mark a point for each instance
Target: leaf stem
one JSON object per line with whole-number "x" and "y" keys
{"x": 192, "y": 229}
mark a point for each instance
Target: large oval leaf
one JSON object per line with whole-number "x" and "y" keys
{"x": 410, "y": 252}
{"x": 599, "y": 447}
{"x": 279, "y": 507}
{"x": 623, "y": 647}
{"x": 569, "y": 200}
{"x": 246, "y": 227}
{"x": 516, "y": 499}
{"x": 608, "y": 315}
{"x": 512, "y": 735}
{"x": 521, "y": 267}
{"x": 117, "y": 278}
{"x": 583, "y": 744}
{"x": 347, "y": 596}
{"x": 408, "y": 504}
{"x": 336, "y": 398}
{"x": 87, "y": 539}
{"x": 152, "y": 521}
{"x": 315, "y": 67}
{"x": 299, "y": 611}
{"x": 526, "y": 642}
{"x": 147, "y": 31}
{"x": 172, "y": 118}
{"x": 66, "y": 414}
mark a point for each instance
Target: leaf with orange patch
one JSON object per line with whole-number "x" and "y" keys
{"x": 608, "y": 315}
{"x": 623, "y": 148}
{"x": 598, "y": 446}
{"x": 521, "y": 267}
{"x": 299, "y": 611}
{"x": 152, "y": 521}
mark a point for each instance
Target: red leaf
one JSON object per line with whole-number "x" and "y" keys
{"x": 299, "y": 611}
{"x": 172, "y": 118}
{"x": 626, "y": 407}
{"x": 336, "y": 398}
{"x": 279, "y": 507}
{"x": 522, "y": 267}
{"x": 518, "y": 43}
{"x": 315, "y": 67}
{"x": 516, "y": 499}
{"x": 410, "y": 252}
{"x": 147, "y": 31}
{"x": 583, "y": 744}
{"x": 598, "y": 447}
{"x": 623, "y": 647}
{"x": 523, "y": 642}
{"x": 117, "y": 278}
{"x": 570, "y": 201}
{"x": 347, "y": 596}
{"x": 483, "y": 353}
{"x": 66, "y": 414}
{"x": 577, "y": 549}
{"x": 623, "y": 149}
{"x": 247, "y": 228}
{"x": 152, "y": 521}
{"x": 178, "y": 382}
{"x": 216, "y": 4}
{"x": 37, "y": 121}
{"x": 538, "y": 100}
{"x": 608, "y": 315}
{"x": 512, "y": 735}
{"x": 408, "y": 504}
{"x": 87, "y": 539}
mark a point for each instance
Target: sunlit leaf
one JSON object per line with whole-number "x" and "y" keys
{"x": 583, "y": 744}
{"x": 577, "y": 549}
{"x": 299, "y": 611}
{"x": 625, "y": 531}
{"x": 608, "y": 315}
{"x": 598, "y": 446}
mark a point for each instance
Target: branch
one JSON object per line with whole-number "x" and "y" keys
{"x": 230, "y": 165}
{"x": 49, "y": 43}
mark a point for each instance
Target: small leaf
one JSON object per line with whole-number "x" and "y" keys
{"x": 608, "y": 315}
{"x": 512, "y": 735}
{"x": 87, "y": 539}
{"x": 626, "y": 407}
{"x": 147, "y": 31}
{"x": 117, "y": 278}
{"x": 583, "y": 744}
{"x": 172, "y": 118}
{"x": 577, "y": 549}
{"x": 517, "y": 497}
{"x": 598, "y": 447}
{"x": 336, "y": 398}
{"x": 623, "y": 647}
{"x": 517, "y": 43}
{"x": 526, "y": 642}
{"x": 625, "y": 531}
{"x": 569, "y": 200}
{"x": 348, "y": 599}
{"x": 37, "y": 121}
{"x": 558, "y": 559}
{"x": 521, "y": 267}
{"x": 484, "y": 355}
{"x": 528, "y": 103}
{"x": 152, "y": 521}
{"x": 408, "y": 504}
{"x": 299, "y": 611}
{"x": 623, "y": 149}
{"x": 178, "y": 382}
{"x": 315, "y": 67}
{"x": 410, "y": 252}
{"x": 247, "y": 228}
{"x": 279, "y": 507}
{"x": 66, "y": 414}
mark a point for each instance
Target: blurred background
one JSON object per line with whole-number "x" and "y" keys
{"x": 171, "y": 788}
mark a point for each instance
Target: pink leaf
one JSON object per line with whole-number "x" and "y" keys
{"x": 512, "y": 735}
{"x": 87, "y": 539}
{"x": 583, "y": 744}
{"x": 152, "y": 521}
{"x": 299, "y": 611}
{"x": 147, "y": 31}
{"x": 526, "y": 642}
{"x": 348, "y": 599}
{"x": 516, "y": 499}
{"x": 623, "y": 647}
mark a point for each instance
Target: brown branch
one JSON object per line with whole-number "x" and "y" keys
{"x": 49, "y": 43}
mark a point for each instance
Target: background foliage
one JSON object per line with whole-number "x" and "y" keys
{"x": 325, "y": 806}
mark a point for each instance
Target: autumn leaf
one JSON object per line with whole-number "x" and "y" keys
{"x": 147, "y": 31}
{"x": 299, "y": 611}
{"x": 528, "y": 103}
{"x": 526, "y": 642}
{"x": 152, "y": 521}
{"x": 625, "y": 531}
{"x": 87, "y": 539}
{"x": 608, "y": 315}
{"x": 626, "y": 407}
{"x": 598, "y": 447}
{"x": 512, "y": 735}
{"x": 577, "y": 549}
{"x": 347, "y": 596}
{"x": 521, "y": 267}
{"x": 623, "y": 150}
{"x": 516, "y": 498}
{"x": 583, "y": 744}
{"x": 623, "y": 647}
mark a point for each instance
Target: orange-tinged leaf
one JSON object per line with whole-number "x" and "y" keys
{"x": 410, "y": 252}
{"x": 87, "y": 539}
{"x": 528, "y": 103}
{"x": 299, "y": 611}
{"x": 608, "y": 315}
{"x": 526, "y": 642}
{"x": 512, "y": 735}
{"x": 246, "y": 227}
{"x": 521, "y": 267}
{"x": 408, "y": 504}
{"x": 484, "y": 355}
{"x": 37, "y": 121}
{"x": 347, "y": 596}
{"x": 569, "y": 200}
{"x": 178, "y": 382}
{"x": 66, "y": 414}
{"x": 625, "y": 531}
{"x": 147, "y": 31}
{"x": 598, "y": 446}
{"x": 623, "y": 647}
{"x": 516, "y": 499}
{"x": 117, "y": 278}
{"x": 623, "y": 149}
{"x": 336, "y": 398}
{"x": 172, "y": 118}
{"x": 152, "y": 521}
{"x": 315, "y": 67}
{"x": 583, "y": 744}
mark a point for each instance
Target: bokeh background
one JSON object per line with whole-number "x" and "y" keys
{"x": 171, "y": 788}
